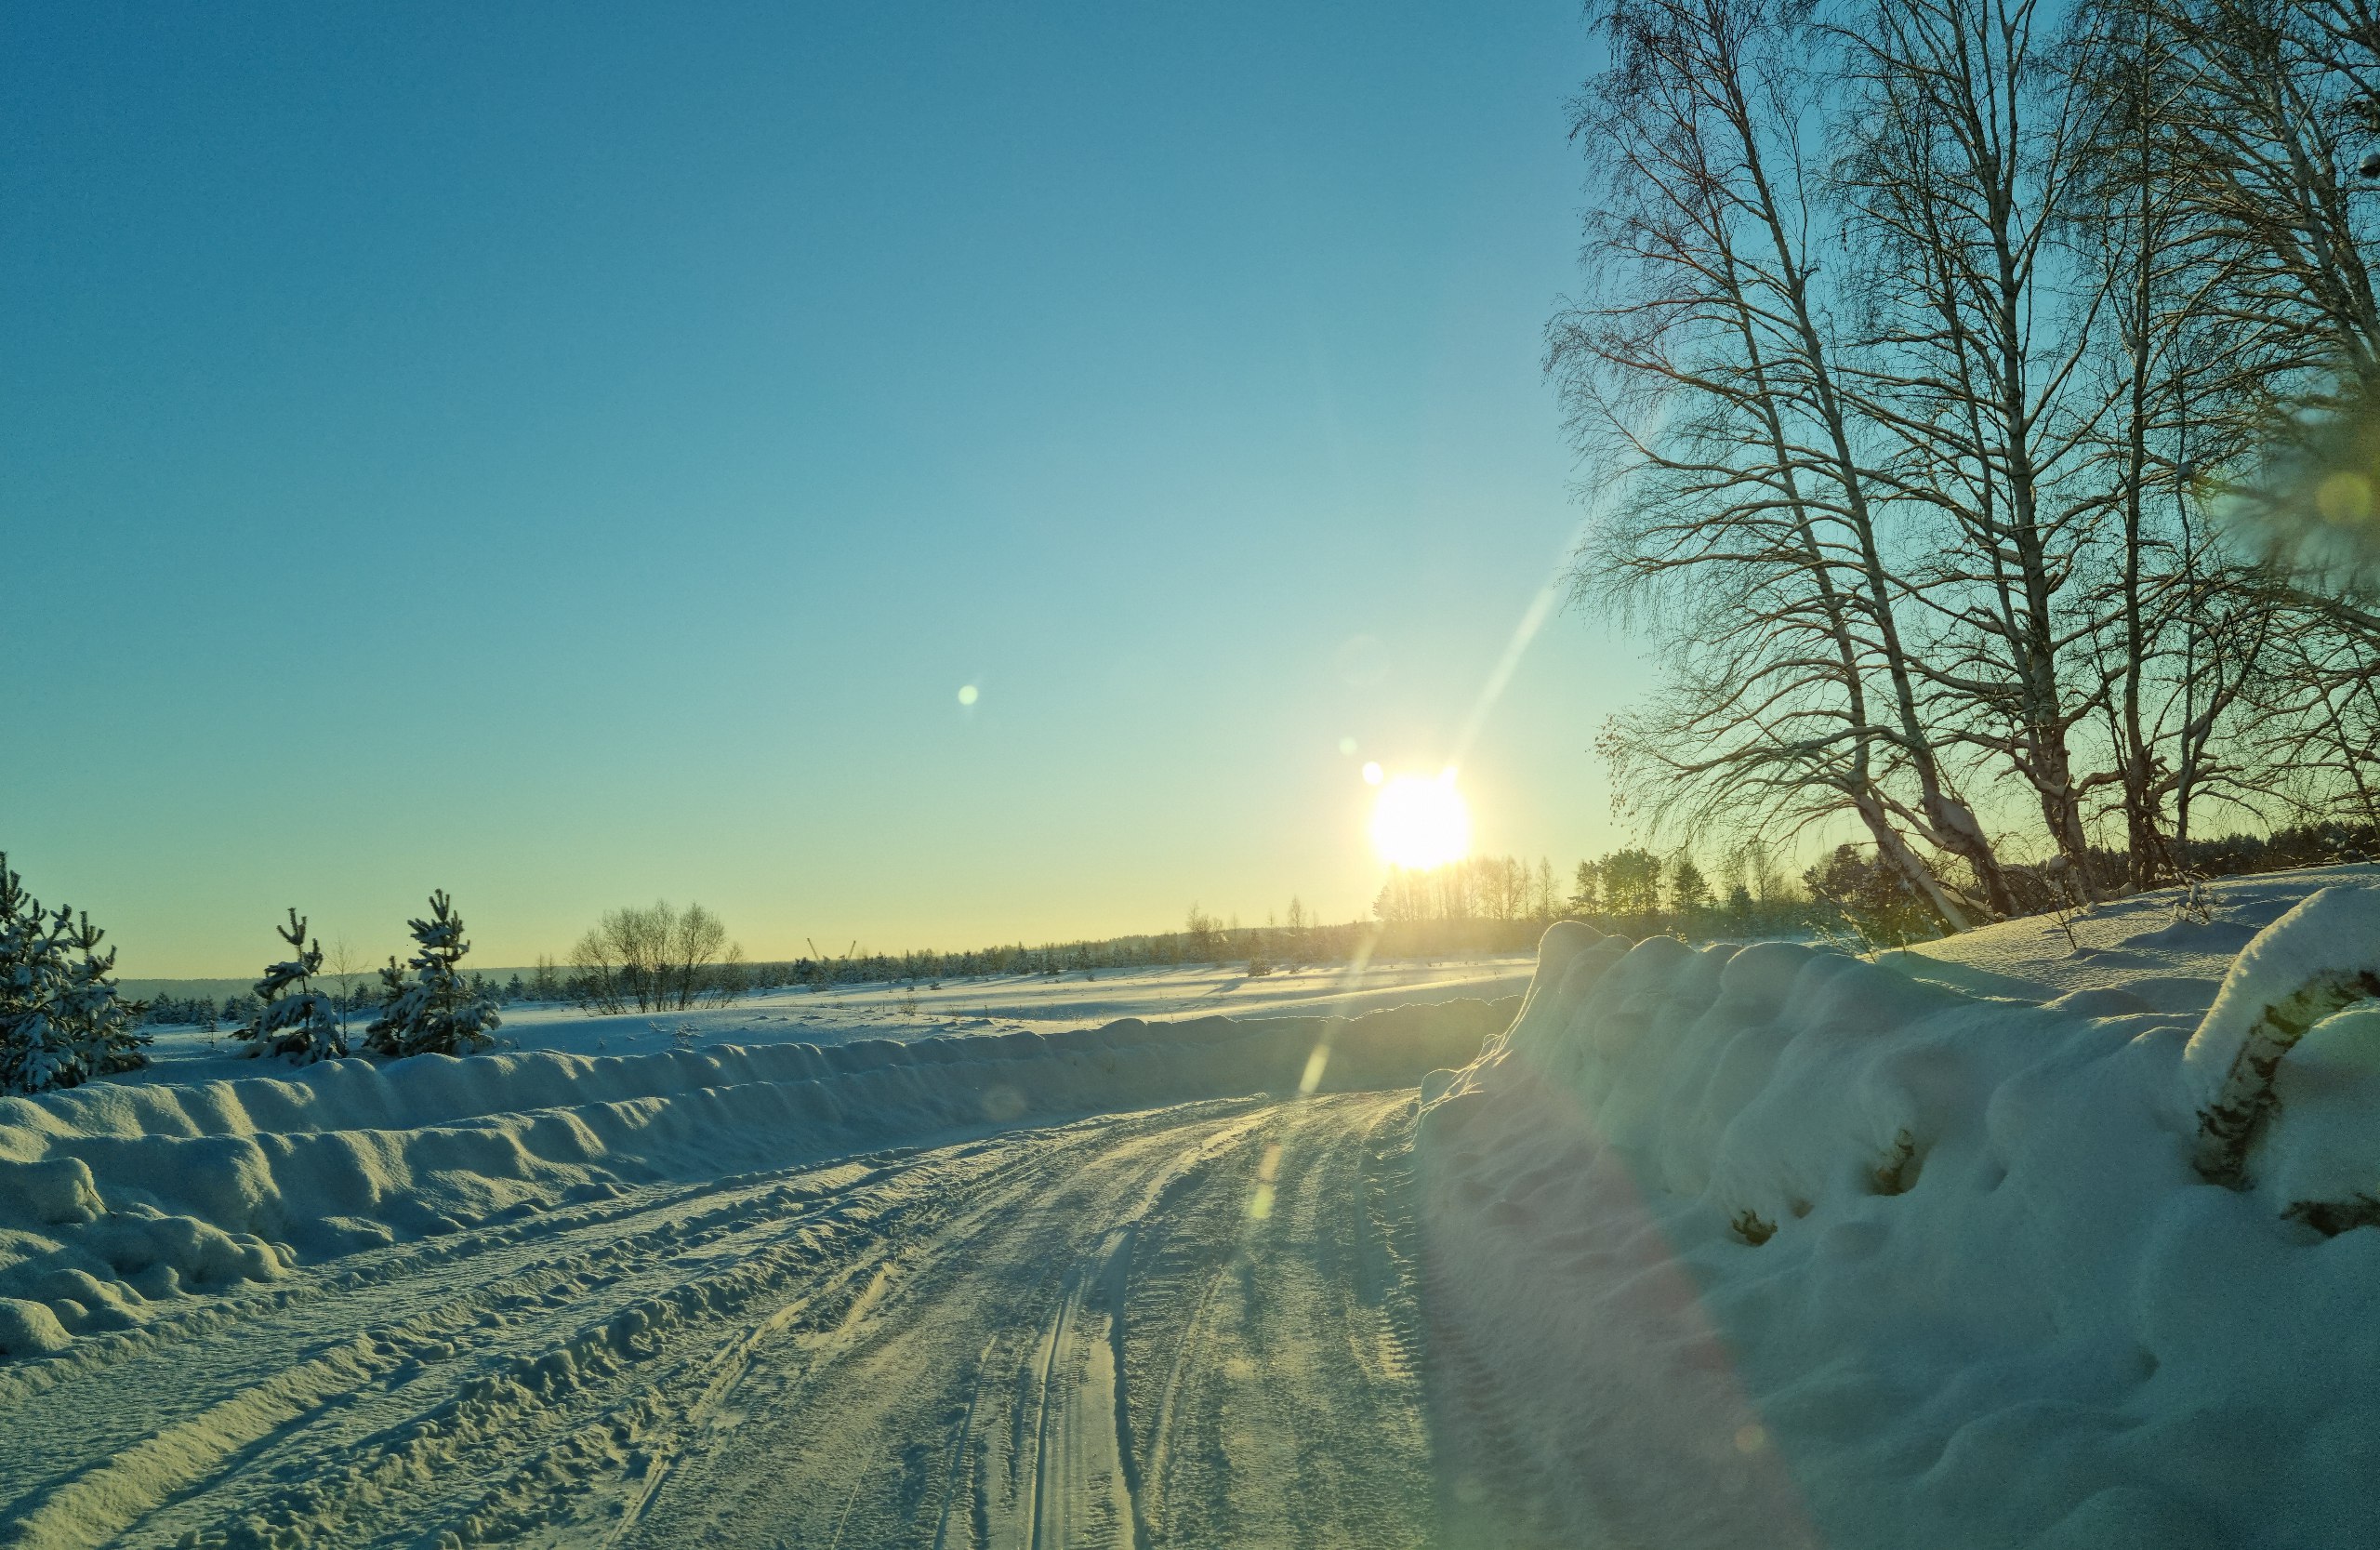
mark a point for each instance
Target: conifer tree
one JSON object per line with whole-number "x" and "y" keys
{"x": 62, "y": 1020}
{"x": 435, "y": 1011}
{"x": 295, "y": 1019}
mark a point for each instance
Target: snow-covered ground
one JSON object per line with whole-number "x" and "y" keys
{"x": 1003, "y": 1003}
{"x": 1718, "y": 1246}
{"x": 1772, "y": 1246}
{"x": 2151, "y": 953}
{"x": 874, "y": 1293}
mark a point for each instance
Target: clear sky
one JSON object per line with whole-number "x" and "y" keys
{"x": 575, "y": 453}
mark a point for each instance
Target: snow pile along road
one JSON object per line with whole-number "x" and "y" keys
{"x": 115, "y": 1199}
{"x": 1771, "y": 1245}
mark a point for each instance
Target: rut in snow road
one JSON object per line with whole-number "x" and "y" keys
{"x": 1183, "y": 1326}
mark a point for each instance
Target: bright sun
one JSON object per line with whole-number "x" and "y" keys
{"x": 1420, "y": 822}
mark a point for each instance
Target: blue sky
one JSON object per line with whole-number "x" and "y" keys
{"x": 575, "y": 455}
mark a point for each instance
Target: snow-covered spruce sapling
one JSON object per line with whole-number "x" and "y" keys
{"x": 295, "y": 1019}
{"x": 61, "y": 1019}
{"x": 435, "y": 1011}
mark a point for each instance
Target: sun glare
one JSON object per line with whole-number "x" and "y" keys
{"x": 1420, "y": 823}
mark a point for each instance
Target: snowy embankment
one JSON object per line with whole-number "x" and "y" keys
{"x": 1772, "y": 1245}
{"x": 117, "y": 1201}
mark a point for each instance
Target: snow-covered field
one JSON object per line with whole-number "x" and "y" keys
{"x": 1739, "y": 1245}
{"x": 1004, "y": 1004}
{"x": 1771, "y": 1246}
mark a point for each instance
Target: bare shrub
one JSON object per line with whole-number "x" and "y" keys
{"x": 658, "y": 959}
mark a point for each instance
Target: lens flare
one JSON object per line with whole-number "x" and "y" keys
{"x": 1420, "y": 823}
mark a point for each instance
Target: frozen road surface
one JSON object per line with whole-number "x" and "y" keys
{"x": 1189, "y": 1325}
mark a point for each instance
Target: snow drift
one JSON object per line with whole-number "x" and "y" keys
{"x": 1771, "y": 1245}
{"x": 114, "y": 1197}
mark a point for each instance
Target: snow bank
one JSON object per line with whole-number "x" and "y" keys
{"x": 114, "y": 1197}
{"x": 1771, "y": 1245}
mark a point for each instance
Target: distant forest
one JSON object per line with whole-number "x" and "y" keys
{"x": 1483, "y": 905}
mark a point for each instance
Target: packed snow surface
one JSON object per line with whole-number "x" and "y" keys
{"x": 1092, "y": 1287}
{"x": 1769, "y": 1245}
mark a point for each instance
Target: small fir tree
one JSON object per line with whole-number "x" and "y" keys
{"x": 435, "y": 1011}
{"x": 295, "y": 1019}
{"x": 61, "y": 1019}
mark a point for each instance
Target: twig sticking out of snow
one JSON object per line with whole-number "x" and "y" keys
{"x": 1898, "y": 1170}
{"x": 2333, "y": 1217}
{"x": 2195, "y": 903}
{"x": 1752, "y": 1227}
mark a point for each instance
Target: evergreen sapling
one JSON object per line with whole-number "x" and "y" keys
{"x": 435, "y": 1011}
{"x": 295, "y": 1019}
{"x": 61, "y": 1019}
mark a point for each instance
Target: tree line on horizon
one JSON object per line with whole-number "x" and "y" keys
{"x": 1983, "y": 404}
{"x": 63, "y": 1020}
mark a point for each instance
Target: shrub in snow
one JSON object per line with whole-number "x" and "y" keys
{"x": 2321, "y": 956}
{"x": 2320, "y": 1160}
{"x": 62, "y": 1020}
{"x": 435, "y": 1011}
{"x": 295, "y": 1019}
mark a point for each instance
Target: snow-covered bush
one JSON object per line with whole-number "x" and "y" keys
{"x": 62, "y": 1020}
{"x": 2320, "y": 959}
{"x": 296, "y": 1019}
{"x": 435, "y": 1011}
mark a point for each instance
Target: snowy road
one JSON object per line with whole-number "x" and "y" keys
{"x": 1190, "y": 1325}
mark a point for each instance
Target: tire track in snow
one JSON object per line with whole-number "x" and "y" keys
{"x": 174, "y": 1464}
{"x": 1081, "y": 1494}
{"x": 854, "y": 1347}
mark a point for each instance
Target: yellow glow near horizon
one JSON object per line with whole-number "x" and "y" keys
{"x": 1420, "y": 823}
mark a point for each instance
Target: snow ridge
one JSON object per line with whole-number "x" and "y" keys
{"x": 1771, "y": 1245}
